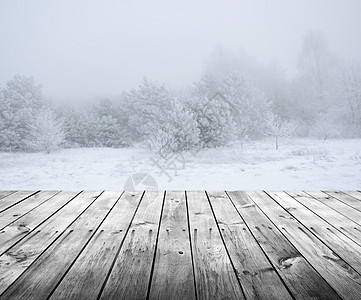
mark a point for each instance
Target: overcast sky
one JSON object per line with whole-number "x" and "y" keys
{"x": 100, "y": 47}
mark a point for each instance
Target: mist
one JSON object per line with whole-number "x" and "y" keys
{"x": 204, "y": 149}
{"x": 86, "y": 49}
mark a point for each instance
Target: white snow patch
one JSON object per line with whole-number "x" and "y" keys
{"x": 298, "y": 164}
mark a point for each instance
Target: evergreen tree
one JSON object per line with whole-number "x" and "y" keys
{"x": 109, "y": 133}
{"x": 19, "y": 101}
{"x": 247, "y": 105}
{"x": 214, "y": 121}
{"x": 179, "y": 133}
{"x": 147, "y": 108}
{"x": 158, "y": 119}
{"x": 76, "y": 124}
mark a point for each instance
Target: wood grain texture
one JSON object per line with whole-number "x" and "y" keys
{"x": 19, "y": 257}
{"x": 14, "y": 198}
{"x": 173, "y": 276}
{"x": 16, "y": 211}
{"x": 215, "y": 276}
{"x": 349, "y": 200}
{"x": 257, "y": 276}
{"x": 297, "y": 273}
{"x": 340, "y": 244}
{"x": 332, "y": 217}
{"x": 3, "y": 194}
{"x": 87, "y": 275}
{"x": 180, "y": 245}
{"x": 341, "y": 276}
{"x": 20, "y": 228}
{"x": 355, "y": 194}
{"x": 130, "y": 275}
{"x": 337, "y": 205}
{"x": 39, "y": 280}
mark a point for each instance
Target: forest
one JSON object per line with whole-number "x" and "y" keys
{"x": 236, "y": 98}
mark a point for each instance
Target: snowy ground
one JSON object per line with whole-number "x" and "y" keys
{"x": 298, "y": 164}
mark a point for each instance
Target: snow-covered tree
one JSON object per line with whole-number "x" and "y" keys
{"x": 214, "y": 121}
{"x": 19, "y": 101}
{"x": 247, "y": 105}
{"x": 45, "y": 132}
{"x": 77, "y": 123}
{"x": 158, "y": 119}
{"x": 109, "y": 133}
{"x": 349, "y": 93}
{"x": 327, "y": 125}
{"x": 277, "y": 127}
{"x": 277, "y": 89}
{"x": 110, "y": 124}
{"x": 315, "y": 65}
{"x": 147, "y": 107}
{"x": 179, "y": 133}
{"x": 101, "y": 125}
{"x": 224, "y": 61}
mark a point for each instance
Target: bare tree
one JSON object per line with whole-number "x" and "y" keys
{"x": 349, "y": 90}
{"x": 277, "y": 127}
{"x": 315, "y": 63}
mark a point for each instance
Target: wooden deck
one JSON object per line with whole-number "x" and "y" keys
{"x": 180, "y": 245}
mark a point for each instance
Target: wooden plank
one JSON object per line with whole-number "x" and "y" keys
{"x": 257, "y": 276}
{"x": 342, "y": 278}
{"x": 130, "y": 275}
{"x": 335, "y": 219}
{"x": 299, "y": 276}
{"x": 337, "y": 205}
{"x": 40, "y": 279}
{"x": 14, "y": 198}
{"x": 3, "y": 194}
{"x": 15, "y": 260}
{"x": 16, "y": 211}
{"x": 344, "y": 247}
{"x": 215, "y": 276}
{"x": 349, "y": 200}
{"x": 86, "y": 277}
{"x": 27, "y": 223}
{"x": 173, "y": 276}
{"x": 355, "y": 194}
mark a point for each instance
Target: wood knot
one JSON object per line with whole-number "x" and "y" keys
{"x": 23, "y": 228}
{"x": 287, "y": 262}
{"x": 290, "y": 208}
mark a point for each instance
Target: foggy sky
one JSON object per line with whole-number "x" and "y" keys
{"x": 101, "y": 47}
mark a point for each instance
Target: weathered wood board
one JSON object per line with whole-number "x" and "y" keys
{"x": 180, "y": 245}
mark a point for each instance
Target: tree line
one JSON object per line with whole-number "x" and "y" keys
{"x": 235, "y": 99}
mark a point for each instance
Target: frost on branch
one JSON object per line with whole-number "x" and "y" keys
{"x": 45, "y": 132}
{"x": 277, "y": 127}
{"x": 327, "y": 125}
